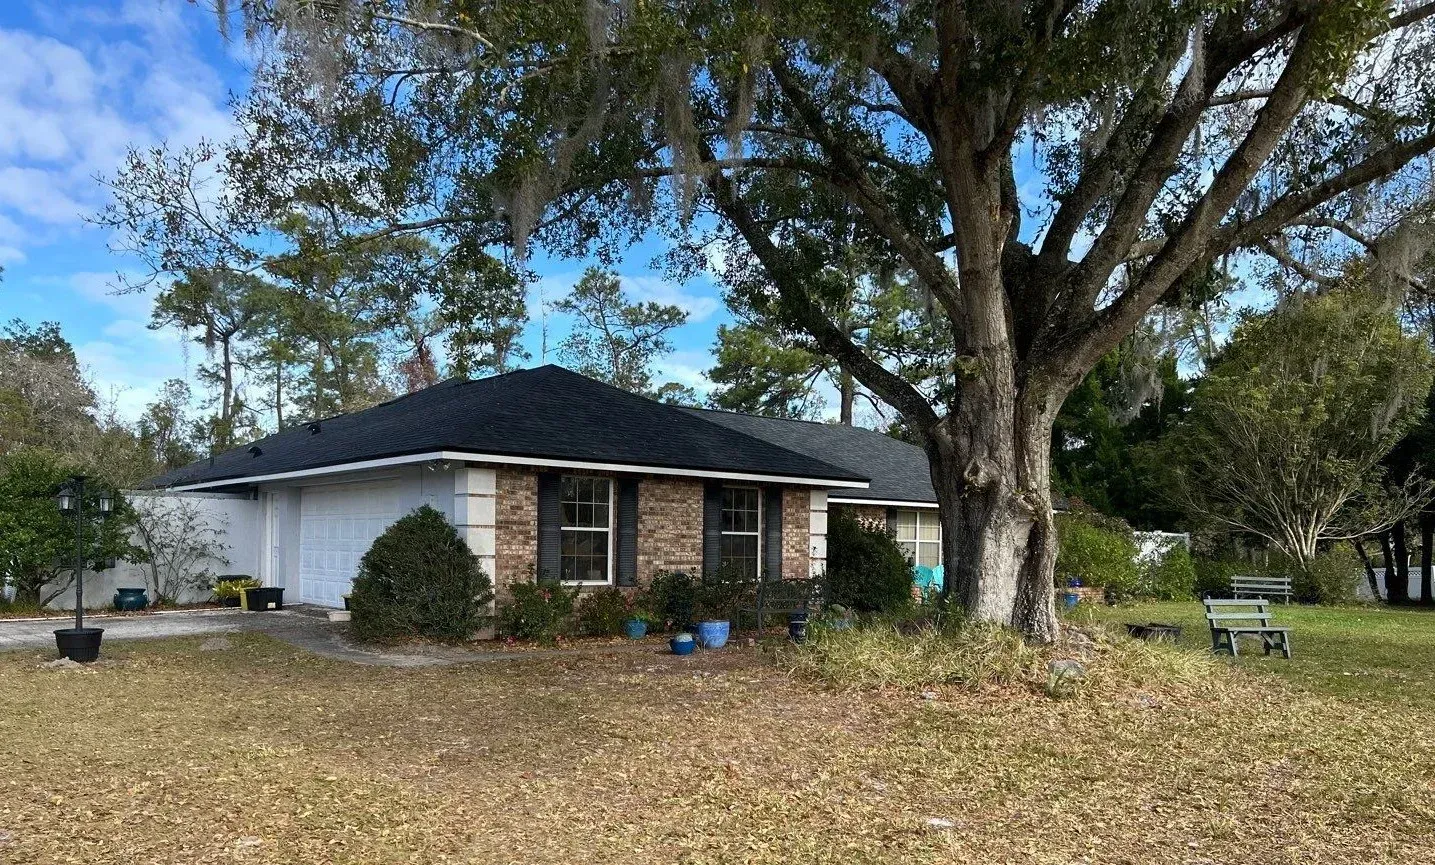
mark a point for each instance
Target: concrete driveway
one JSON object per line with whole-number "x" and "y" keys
{"x": 307, "y": 629}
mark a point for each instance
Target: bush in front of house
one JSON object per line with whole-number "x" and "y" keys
{"x": 672, "y": 597}
{"x": 1170, "y": 575}
{"x": 419, "y": 579}
{"x": 867, "y": 570}
{"x": 603, "y": 613}
{"x": 537, "y": 611}
{"x": 1099, "y": 551}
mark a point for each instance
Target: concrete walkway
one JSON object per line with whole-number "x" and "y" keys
{"x": 304, "y": 628}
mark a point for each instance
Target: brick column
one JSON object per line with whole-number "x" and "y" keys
{"x": 474, "y": 511}
{"x": 817, "y": 561}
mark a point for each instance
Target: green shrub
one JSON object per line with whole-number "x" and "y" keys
{"x": 671, "y": 598}
{"x": 537, "y": 611}
{"x": 603, "y": 613}
{"x": 1099, "y": 551}
{"x": 722, "y": 592}
{"x": 1213, "y": 576}
{"x": 866, "y": 569}
{"x": 419, "y": 579}
{"x": 1170, "y": 575}
{"x": 1332, "y": 577}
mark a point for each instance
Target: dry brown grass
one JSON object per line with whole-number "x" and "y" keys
{"x": 266, "y": 755}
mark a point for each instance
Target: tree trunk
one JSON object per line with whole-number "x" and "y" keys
{"x": 847, "y": 387}
{"x": 1402, "y": 563}
{"x": 991, "y": 467}
{"x": 1388, "y": 555}
{"x": 1427, "y": 531}
{"x": 1369, "y": 569}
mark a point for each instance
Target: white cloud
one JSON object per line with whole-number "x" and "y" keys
{"x": 73, "y": 101}
{"x": 658, "y": 290}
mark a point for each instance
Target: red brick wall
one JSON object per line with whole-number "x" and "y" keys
{"x": 867, "y": 513}
{"x": 516, "y": 526}
{"x": 796, "y": 532}
{"x": 670, "y": 526}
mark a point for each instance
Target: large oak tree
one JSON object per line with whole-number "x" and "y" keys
{"x": 1047, "y": 170}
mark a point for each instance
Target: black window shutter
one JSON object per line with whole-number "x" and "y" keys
{"x": 550, "y": 522}
{"x": 892, "y": 520}
{"x": 772, "y": 533}
{"x": 628, "y": 532}
{"x": 712, "y": 527}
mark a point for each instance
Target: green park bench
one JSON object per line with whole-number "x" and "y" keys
{"x": 1230, "y": 619}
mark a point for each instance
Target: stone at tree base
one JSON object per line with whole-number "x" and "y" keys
{"x": 215, "y": 644}
{"x": 62, "y": 664}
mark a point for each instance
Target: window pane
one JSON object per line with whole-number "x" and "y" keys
{"x": 908, "y": 547}
{"x": 906, "y": 524}
{"x": 929, "y": 555}
{"x": 929, "y": 529}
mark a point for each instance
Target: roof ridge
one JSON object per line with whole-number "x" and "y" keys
{"x": 823, "y": 423}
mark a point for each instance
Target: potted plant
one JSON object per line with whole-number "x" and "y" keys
{"x": 682, "y": 644}
{"x": 227, "y": 591}
{"x": 639, "y": 620}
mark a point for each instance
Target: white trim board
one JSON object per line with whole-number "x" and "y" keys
{"x": 540, "y": 462}
{"x": 887, "y": 503}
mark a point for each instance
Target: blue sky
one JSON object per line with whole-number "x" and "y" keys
{"x": 85, "y": 81}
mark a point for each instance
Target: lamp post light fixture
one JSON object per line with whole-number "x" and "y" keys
{"x": 80, "y": 643}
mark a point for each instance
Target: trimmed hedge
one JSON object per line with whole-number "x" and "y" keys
{"x": 419, "y": 579}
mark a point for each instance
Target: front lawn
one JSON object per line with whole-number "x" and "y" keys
{"x": 264, "y": 754}
{"x": 1358, "y": 652}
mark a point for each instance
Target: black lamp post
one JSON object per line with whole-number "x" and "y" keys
{"x": 80, "y": 643}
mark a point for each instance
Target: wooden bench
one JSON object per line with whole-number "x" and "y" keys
{"x": 1245, "y": 586}
{"x": 1232, "y": 618}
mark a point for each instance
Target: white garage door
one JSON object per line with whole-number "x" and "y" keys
{"x": 337, "y": 524}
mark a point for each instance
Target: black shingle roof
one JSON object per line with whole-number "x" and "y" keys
{"x": 899, "y": 470}
{"x": 547, "y": 412}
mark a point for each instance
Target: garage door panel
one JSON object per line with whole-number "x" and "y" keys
{"x": 338, "y": 524}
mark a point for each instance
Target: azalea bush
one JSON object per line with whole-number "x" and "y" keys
{"x": 1098, "y": 551}
{"x": 867, "y": 570}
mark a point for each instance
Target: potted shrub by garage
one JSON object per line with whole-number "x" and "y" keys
{"x": 228, "y": 590}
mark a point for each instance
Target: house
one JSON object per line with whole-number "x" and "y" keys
{"x": 547, "y": 471}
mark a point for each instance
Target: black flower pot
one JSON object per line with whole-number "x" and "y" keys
{"x": 81, "y": 645}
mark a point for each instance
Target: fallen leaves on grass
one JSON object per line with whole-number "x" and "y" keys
{"x": 267, "y": 755}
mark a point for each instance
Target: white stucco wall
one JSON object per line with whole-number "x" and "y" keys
{"x": 235, "y": 516}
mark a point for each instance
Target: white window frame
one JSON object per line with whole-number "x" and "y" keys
{"x": 922, "y": 518}
{"x": 757, "y": 534}
{"x": 612, "y": 550}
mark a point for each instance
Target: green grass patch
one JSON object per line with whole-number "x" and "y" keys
{"x": 1357, "y": 652}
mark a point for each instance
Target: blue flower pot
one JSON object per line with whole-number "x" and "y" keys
{"x": 637, "y": 629}
{"x": 712, "y": 635}
{"x": 682, "y": 646}
{"x": 1069, "y": 600}
{"x": 131, "y": 599}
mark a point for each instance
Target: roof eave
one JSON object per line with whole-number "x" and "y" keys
{"x": 535, "y": 462}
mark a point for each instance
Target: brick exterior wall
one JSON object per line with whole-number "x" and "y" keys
{"x": 867, "y": 513}
{"x": 516, "y": 526}
{"x": 796, "y": 532}
{"x": 670, "y": 526}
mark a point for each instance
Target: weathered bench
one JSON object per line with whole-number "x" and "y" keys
{"x": 1229, "y": 619}
{"x": 1247, "y": 586}
{"x": 782, "y": 597}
